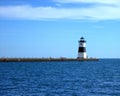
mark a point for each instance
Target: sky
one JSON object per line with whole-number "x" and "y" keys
{"x": 52, "y": 28}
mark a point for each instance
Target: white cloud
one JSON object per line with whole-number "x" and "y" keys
{"x": 89, "y": 1}
{"x": 100, "y": 12}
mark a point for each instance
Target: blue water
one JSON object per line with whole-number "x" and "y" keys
{"x": 89, "y": 78}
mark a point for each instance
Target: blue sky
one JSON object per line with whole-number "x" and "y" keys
{"x": 52, "y": 28}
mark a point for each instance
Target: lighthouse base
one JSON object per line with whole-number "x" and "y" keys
{"x": 82, "y": 55}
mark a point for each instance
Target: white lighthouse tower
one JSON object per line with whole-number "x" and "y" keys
{"x": 82, "y": 49}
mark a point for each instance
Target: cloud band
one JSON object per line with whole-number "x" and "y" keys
{"x": 98, "y": 12}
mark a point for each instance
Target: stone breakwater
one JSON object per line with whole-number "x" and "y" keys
{"x": 44, "y": 59}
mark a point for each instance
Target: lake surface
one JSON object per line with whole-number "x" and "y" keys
{"x": 73, "y": 78}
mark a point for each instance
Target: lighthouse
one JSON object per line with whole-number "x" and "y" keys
{"x": 82, "y": 49}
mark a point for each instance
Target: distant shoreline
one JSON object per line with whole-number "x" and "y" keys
{"x": 44, "y": 59}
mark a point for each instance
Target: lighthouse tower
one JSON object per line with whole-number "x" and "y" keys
{"x": 82, "y": 49}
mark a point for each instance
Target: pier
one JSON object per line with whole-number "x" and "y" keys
{"x": 45, "y": 59}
